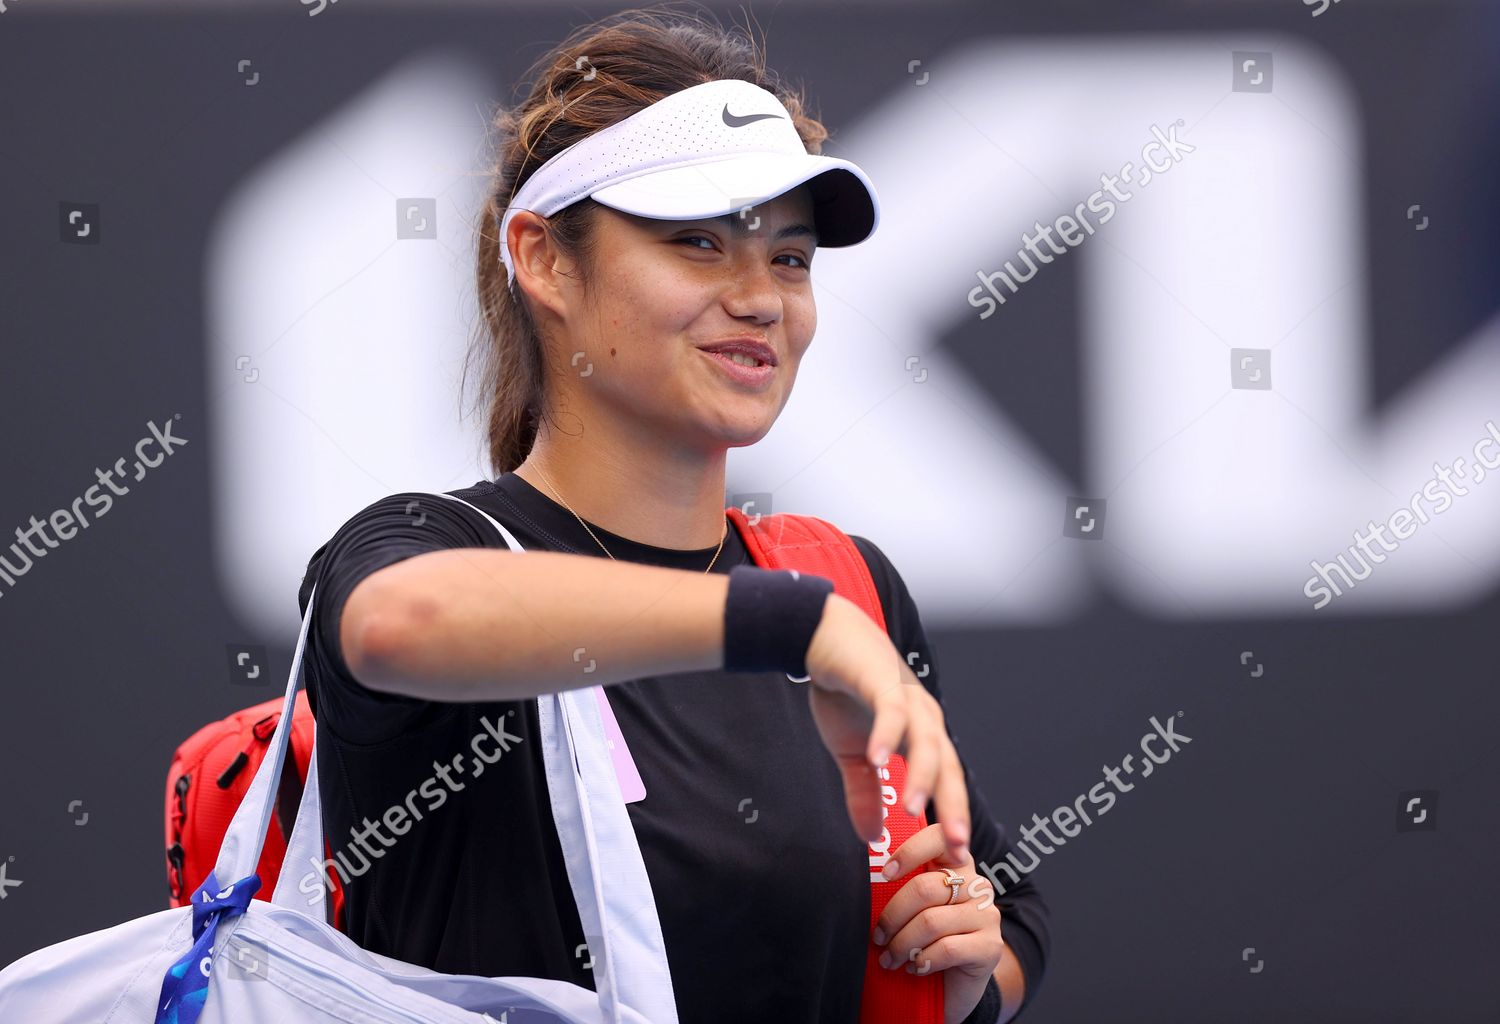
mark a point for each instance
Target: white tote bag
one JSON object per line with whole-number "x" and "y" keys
{"x": 229, "y": 959}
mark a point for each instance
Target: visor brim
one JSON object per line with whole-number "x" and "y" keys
{"x": 845, "y": 206}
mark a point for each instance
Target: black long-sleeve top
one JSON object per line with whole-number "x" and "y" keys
{"x": 763, "y": 920}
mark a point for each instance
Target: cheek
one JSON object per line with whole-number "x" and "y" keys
{"x": 801, "y": 323}
{"x": 650, "y": 306}
{"x": 641, "y": 340}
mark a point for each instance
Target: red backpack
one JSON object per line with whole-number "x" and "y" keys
{"x": 209, "y": 775}
{"x": 815, "y": 546}
{"x": 212, "y": 770}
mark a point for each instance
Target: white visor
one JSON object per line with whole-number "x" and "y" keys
{"x": 713, "y": 149}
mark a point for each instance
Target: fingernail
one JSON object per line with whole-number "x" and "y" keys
{"x": 879, "y": 937}
{"x": 887, "y": 959}
{"x": 882, "y": 755}
{"x": 915, "y": 802}
{"x": 891, "y": 869}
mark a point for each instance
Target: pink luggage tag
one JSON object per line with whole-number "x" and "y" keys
{"x": 632, "y": 788}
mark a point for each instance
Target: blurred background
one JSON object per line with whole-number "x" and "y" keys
{"x": 1119, "y": 487}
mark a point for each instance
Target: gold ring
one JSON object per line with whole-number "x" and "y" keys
{"x": 956, "y": 881}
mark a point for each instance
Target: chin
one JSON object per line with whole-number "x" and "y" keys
{"x": 743, "y": 432}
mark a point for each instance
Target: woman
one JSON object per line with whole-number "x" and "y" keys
{"x": 606, "y": 276}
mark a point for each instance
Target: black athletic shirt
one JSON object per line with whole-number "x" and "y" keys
{"x": 764, "y": 919}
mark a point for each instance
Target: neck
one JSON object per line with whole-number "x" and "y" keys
{"x": 665, "y": 498}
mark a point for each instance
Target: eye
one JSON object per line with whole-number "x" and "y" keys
{"x": 801, "y": 264}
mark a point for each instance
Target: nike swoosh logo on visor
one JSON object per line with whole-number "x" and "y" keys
{"x": 738, "y": 121}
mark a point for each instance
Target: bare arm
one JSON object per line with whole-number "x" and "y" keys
{"x": 1012, "y": 985}
{"x": 481, "y": 624}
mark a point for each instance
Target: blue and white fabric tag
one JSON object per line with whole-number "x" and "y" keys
{"x": 185, "y": 988}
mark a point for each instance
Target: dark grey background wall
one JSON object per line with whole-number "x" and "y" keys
{"x": 1271, "y": 840}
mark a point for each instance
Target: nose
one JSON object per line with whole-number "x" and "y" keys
{"x": 753, "y": 292}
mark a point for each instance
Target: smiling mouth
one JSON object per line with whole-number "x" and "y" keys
{"x": 749, "y": 362}
{"x": 740, "y": 358}
{"x": 744, "y": 368}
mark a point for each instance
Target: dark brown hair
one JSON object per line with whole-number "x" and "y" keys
{"x": 634, "y": 58}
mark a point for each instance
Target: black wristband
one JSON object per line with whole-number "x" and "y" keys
{"x": 770, "y": 616}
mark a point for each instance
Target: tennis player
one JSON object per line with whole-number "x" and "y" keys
{"x": 645, "y": 277}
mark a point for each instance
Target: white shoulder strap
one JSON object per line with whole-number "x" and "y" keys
{"x": 619, "y": 920}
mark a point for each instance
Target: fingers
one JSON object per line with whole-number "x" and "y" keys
{"x": 974, "y": 949}
{"x": 941, "y": 938}
{"x": 904, "y": 717}
{"x": 923, "y": 759}
{"x": 890, "y": 725}
{"x": 862, "y": 796}
{"x": 952, "y": 807}
{"x": 933, "y": 767}
{"x": 921, "y": 846}
{"x": 926, "y": 889}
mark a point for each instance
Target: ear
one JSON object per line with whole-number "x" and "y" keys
{"x": 536, "y": 261}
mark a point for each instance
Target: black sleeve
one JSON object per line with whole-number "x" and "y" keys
{"x": 1024, "y": 922}
{"x": 382, "y": 533}
{"x": 987, "y": 1010}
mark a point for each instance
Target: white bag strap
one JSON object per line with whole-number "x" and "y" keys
{"x": 240, "y": 851}
{"x": 303, "y": 868}
{"x": 619, "y": 920}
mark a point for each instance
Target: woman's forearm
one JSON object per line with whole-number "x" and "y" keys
{"x": 479, "y": 624}
{"x": 1012, "y": 985}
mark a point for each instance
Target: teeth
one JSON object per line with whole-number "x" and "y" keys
{"x": 743, "y": 359}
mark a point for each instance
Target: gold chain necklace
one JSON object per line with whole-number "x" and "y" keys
{"x": 585, "y": 525}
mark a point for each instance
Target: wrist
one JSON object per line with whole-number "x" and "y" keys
{"x": 987, "y": 1010}
{"x": 821, "y": 650}
{"x": 770, "y": 618}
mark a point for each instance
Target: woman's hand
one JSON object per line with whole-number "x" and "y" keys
{"x": 867, "y": 703}
{"x": 923, "y": 932}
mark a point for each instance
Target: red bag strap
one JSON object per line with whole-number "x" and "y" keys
{"x": 812, "y": 545}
